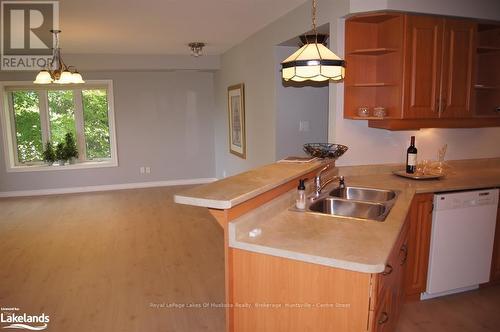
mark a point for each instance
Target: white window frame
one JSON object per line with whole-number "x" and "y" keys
{"x": 8, "y": 125}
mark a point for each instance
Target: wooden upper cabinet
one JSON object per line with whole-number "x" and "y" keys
{"x": 458, "y": 59}
{"x": 424, "y": 44}
{"x": 374, "y": 56}
{"x": 428, "y": 71}
{"x": 439, "y": 67}
{"x": 487, "y": 71}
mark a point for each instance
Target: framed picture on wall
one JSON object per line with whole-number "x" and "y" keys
{"x": 236, "y": 113}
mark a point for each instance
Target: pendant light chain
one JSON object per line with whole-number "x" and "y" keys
{"x": 313, "y": 11}
{"x": 315, "y": 31}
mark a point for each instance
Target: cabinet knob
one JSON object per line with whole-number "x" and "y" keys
{"x": 384, "y": 318}
{"x": 388, "y": 270}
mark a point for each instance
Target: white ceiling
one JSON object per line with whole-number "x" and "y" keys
{"x": 163, "y": 26}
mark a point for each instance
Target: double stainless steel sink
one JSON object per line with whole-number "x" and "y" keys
{"x": 354, "y": 202}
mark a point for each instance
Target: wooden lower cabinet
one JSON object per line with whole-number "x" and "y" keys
{"x": 389, "y": 294}
{"x": 495, "y": 262}
{"x": 276, "y": 294}
{"x": 279, "y": 290}
{"x": 419, "y": 237}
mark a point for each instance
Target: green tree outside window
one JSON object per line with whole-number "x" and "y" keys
{"x": 61, "y": 114}
{"x": 96, "y": 124}
{"x": 28, "y": 126}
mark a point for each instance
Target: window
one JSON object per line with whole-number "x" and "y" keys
{"x": 33, "y": 115}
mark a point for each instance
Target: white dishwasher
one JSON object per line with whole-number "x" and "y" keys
{"x": 463, "y": 230}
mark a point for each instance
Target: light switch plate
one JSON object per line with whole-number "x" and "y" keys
{"x": 304, "y": 125}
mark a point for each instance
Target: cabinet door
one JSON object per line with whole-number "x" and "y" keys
{"x": 383, "y": 321}
{"x": 390, "y": 285}
{"x": 399, "y": 292}
{"x": 423, "y": 53}
{"x": 458, "y": 58}
{"x": 419, "y": 238}
{"x": 495, "y": 263}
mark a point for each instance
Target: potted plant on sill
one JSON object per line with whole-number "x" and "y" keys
{"x": 70, "y": 149}
{"x": 49, "y": 155}
{"x": 61, "y": 154}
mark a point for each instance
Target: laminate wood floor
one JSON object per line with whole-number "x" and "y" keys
{"x": 108, "y": 261}
{"x": 473, "y": 311}
{"x": 105, "y": 261}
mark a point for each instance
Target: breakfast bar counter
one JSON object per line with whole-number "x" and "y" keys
{"x": 274, "y": 254}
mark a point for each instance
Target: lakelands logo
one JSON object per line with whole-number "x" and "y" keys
{"x": 14, "y": 320}
{"x": 26, "y": 38}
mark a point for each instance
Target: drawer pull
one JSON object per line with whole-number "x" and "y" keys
{"x": 384, "y": 318}
{"x": 404, "y": 250}
{"x": 388, "y": 270}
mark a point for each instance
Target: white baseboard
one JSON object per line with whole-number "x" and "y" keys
{"x": 134, "y": 185}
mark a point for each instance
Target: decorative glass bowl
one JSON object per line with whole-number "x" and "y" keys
{"x": 325, "y": 150}
{"x": 363, "y": 111}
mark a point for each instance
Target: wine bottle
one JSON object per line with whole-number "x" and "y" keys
{"x": 411, "y": 157}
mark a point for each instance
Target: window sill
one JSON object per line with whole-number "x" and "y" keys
{"x": 56, "y": 167}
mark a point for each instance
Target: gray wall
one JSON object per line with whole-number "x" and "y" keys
{"x": 163, "y": 120}
{"x": 295, "y": 104}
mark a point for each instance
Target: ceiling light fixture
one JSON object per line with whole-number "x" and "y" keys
{"x": 313, "y": 61}
{"x": 196, "y": 48}
{"x": 57, "y": 71}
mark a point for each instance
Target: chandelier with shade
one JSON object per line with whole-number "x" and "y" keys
{"x": 57, "y": 71}
{"x": 313, "y": 61}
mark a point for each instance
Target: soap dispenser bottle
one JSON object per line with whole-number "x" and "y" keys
{"x": 300, "y": 203}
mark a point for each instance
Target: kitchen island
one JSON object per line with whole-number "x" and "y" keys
{"x": 307, "y": 271}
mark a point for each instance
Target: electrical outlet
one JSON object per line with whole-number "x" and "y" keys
{"x": 148, "y": 169}
{"x": 142, "y": 170}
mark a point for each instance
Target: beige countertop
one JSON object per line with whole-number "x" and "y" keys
{"x": 231, "y": 191}
{"x": 356, "y": 245}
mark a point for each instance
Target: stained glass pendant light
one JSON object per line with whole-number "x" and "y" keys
{"x": 313, "y": 61}
{"x": 58, "y": 72}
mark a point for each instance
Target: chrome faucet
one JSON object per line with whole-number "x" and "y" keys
{"x": 319, "y": 185}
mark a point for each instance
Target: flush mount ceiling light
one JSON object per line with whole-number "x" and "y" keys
{"x": 196, "y": 48}
{"x": 313, "y": 61}
{"x": 57, "y": 71}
